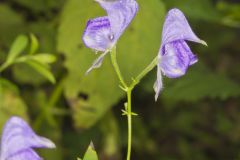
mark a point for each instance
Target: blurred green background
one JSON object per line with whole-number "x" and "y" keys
{"x": 196, "y": 116}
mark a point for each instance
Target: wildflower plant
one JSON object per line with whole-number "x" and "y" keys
{"x": 174, "y": 57}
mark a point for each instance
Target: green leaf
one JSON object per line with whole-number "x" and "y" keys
{"x": 91, "y": 154}
{"x": 37, "y": 6}
{"x": 10, "y": 102}
{"x": 110, "y": 130}
{"x": 17, "y": 47}
{"x": 34, "y": 44}
{"x": 11, "y": 24}
{"x": 231, "y": 13}
{"x": 136, "y": 48}
{"x": 203, "y": 9}
{"x": 200, "y": 83}
{"x": 46, "y": 34}
{"x": 44, "y": 58}
{"x": 42, "y": 69}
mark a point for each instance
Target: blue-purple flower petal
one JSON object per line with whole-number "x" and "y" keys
{"x": 97, "y": 34}
{"x": 175, "y": 56}
{"x": 176, "y": 27}
{"x": 28, "y": 154}
{"x": 102, "y": 33}
{"x": 120, "y": 14}
{"x": 176, "y": 59}
{"x": 18, "y": 141}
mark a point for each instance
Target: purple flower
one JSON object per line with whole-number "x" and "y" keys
{"x": 18, "y": 141}
{"x": 175, "y": 56}
{"x": 102, "y": 33}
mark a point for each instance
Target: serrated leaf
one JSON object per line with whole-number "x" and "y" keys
{"x": 17, "y": 48}
{"x": 91, "y": 154}
{"x": 42, "y": 69}
{"x": 136, "y": 48}
{"x": 201, "y": 83}
{"x": 34, "y": 44}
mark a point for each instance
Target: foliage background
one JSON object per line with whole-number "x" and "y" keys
{"x": 196, "y": 117}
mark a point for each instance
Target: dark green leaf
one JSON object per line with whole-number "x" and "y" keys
{"x": 201, "y": 83}
{"x": 203, "y": 10}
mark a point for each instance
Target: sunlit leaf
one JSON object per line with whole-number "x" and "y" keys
{"x": 34, "y": 44}
{"x": 17, "y": 48}
{"x": 44, "y": 58}
{"x": 42, "y": 69}
{"x": 91, "y": 154}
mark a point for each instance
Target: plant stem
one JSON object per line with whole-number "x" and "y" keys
{"x": 145, "y": 71}
{"x": 128, "y": 90}
{"x": 116, "y": 67}
{"x": 129, "y": 116}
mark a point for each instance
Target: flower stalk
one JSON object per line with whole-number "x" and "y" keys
{"x": 129, "y": 117}
{"x": 116, "y": 67}
{"x": 128, "y": 90}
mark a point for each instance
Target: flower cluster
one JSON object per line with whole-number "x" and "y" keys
{"x": 101, "y": 34}
{"x": 174, "y": 56}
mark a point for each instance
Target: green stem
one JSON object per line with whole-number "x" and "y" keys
{"x": 128, "y": 90}
{"x": 49, "y": 110}
{"x": 145, "y": 72}
{"x": 129, "y": 116}
{"x": 116, "y": 67}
